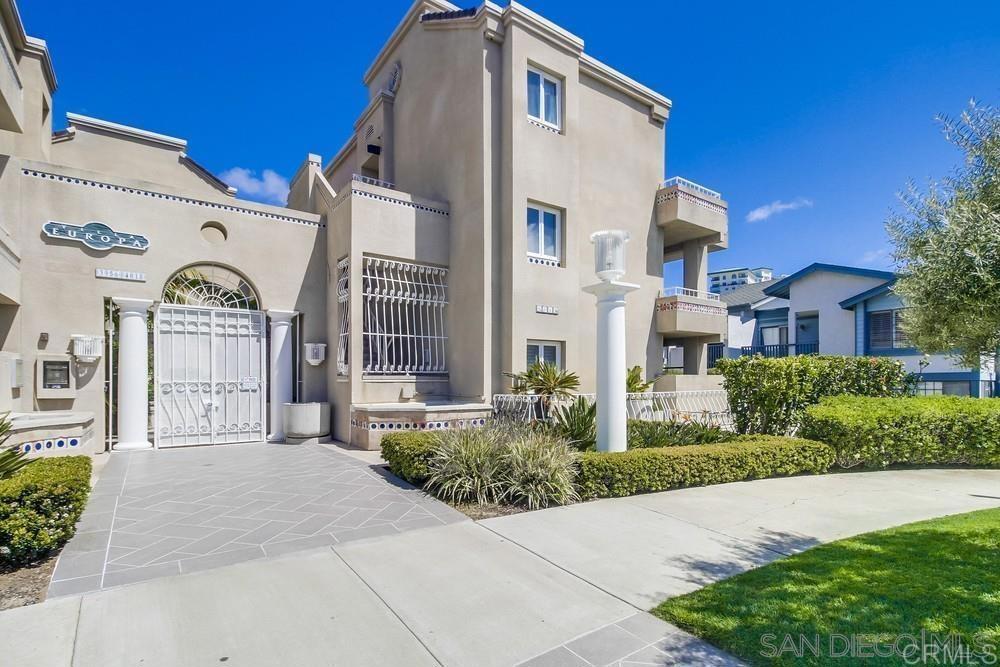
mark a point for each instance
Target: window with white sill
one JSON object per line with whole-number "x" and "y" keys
{"x": 545, "y": 351}
{"x": 544, "y": 235}
{"x": 544, "y": 98}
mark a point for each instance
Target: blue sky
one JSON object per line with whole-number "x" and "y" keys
{"x": 818, "y": 113}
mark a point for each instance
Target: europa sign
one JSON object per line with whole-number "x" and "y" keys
{"x": 96, "y": 235}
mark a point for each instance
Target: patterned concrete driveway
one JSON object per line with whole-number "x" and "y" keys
{"x": 161, "y": 513}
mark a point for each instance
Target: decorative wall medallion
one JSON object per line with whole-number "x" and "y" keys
{"x": 96, "y": 235}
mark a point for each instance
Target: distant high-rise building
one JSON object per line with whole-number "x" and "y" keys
{"x": 727, "y": 280}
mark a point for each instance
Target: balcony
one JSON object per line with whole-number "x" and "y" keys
{"x": 782, "y": 350}
{"x": 687, "y": 211}
{"x": 686, "y": 313}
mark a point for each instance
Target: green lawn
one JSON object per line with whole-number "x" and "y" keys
{"x": 941, "y": 576}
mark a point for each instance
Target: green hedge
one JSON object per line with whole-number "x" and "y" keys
{"x": 604, "y": 474}
{"x": 39, "y": 507}
{"x": 878, "y": 432}
{"x": 408, "y": 454}
{"x": 770, "y": 395}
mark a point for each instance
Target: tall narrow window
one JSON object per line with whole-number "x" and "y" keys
{"x": 544, "y": 233}
{"x": 546, "y": 351}
{"x": 404, "y": 318}
{"x": 544, "y": 98}
{"x": 344, "y": 309}
{"x": 885, "y": 330}
{"x": 880, "y": 330}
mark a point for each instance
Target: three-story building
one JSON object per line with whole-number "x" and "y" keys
{"x": 445, "y": 244}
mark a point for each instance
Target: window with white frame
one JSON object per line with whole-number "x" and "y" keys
{"x": 544, "y": 98}
{"x": 546, "y": 351}
{"x": 943, "y": 388}
{"x": 885, "y": 330}
{"x": 344, "y": 312}
{"x": 403, "y": 331}
{"x": 544, "y": 234}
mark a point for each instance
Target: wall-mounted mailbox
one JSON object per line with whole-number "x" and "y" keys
{"x": 54, "y": 376}
{"x": 315, "y": 353}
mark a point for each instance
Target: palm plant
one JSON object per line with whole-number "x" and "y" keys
{"x": 11, "y": 459}
{"x": 547, "y": 381}
{"x": 634, "y": 384}
{"x": 577, "y": 422}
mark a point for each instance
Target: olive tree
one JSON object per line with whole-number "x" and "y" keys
{"x": 947, "y": 246}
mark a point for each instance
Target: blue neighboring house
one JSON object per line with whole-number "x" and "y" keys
{"x": 833, "y": 309}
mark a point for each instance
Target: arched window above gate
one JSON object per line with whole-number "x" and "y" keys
{"x": 210, "y": 286}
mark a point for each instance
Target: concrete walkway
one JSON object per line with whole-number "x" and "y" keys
{"x": 565, "y": 586}
{"x": 160, "y": 513}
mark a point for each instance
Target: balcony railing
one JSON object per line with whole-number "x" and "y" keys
{"x": 783, "y": 350}
{"x": 715, "y": 352}
{"x": 709, "y": 407}
{"x": 684, "y": 291}
{"x": 378, "y": 182}
{"x": 691, "y": 185}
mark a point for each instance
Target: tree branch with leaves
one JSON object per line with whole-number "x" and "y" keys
{"x": 947, "y": 246}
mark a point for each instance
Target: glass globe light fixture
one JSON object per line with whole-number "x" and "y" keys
{"x": 609, "y": 253}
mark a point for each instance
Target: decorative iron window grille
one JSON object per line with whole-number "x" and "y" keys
{"x": 344, "y": 308}
{"x": 210, "y": 286}
{"x": 404, "y": 318}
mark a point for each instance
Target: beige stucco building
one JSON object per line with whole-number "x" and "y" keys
{"x": 446, "y": 243}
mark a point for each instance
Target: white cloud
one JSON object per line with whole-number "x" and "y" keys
{"x": 270, "y": 188}
{"x": 879, "y": 256}
{"x": 774, "y": 208}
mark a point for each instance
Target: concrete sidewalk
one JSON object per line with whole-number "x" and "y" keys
{"x": 454, "y": 595}
{"x": 644, "y": 549}
{"x": 565, "y": 586}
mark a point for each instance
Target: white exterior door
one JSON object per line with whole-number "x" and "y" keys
{"x": 209, "y": 376}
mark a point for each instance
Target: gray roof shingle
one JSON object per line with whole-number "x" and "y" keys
{"x": 746, "y": 294}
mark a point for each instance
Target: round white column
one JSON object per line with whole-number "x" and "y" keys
{"x": 133, "y": 374}
{"x": 611, "y": 340}
{"x": 281, "y": 369}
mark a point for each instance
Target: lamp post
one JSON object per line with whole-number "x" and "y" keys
{"x": 609, "y": 264}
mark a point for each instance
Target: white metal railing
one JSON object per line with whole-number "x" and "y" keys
{"x": 685, "y": 291}
{"x": 404, "y": 304}
{"x": 691, "y": 185}
{"x": 378, "y": 182}
{"x": 709, "y": 407}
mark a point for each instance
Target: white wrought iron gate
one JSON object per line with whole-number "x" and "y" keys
{"x": 209, "y": 376}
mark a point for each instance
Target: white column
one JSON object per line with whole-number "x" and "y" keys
{"x": 281, "y": 369}
{"x": 611, "y": 338}
{"x": 133, "y": 374}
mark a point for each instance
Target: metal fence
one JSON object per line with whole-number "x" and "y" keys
{"x": 709, "y": 407}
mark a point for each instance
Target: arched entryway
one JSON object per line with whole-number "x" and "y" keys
{"x": 210, "y": 359}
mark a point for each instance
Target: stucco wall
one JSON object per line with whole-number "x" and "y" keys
{"x": 821, "y": 292}
{"x": 283, "y": 260}
{"x": 135, "y": 160}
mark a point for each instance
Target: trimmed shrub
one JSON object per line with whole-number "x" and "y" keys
{"x": 39, "y": 507}
{"x": 408, "y": 453}
{"x": 878, "y": 432}
{"x": 615, "y": 474}
{"x": 538, "y": 470}
{"x": 642, "y": 434}
{"x": 769, "y": 396}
